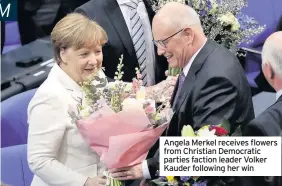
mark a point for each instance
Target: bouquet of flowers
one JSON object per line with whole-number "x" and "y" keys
{"x": 222, "y": 21}
{"x": 222, "y": 129}
{"x": 118, "y": 121}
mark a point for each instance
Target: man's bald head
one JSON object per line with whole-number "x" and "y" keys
{"x": 177, "y": 15}
{"x": 272, "y": 52}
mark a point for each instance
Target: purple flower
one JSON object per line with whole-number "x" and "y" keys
{"x": 209, "y": 4}
{"x": 185, "y": 178}
{"x": 246, "y": 22}
{"x": 211, "y": 127}
{"x": 203, "y": 12}
{"x": 163, "y": 178}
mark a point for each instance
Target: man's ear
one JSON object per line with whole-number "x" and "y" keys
{"x": 189, "y": 34}
{"x": 63, "y": 55}
{"x": 269, "y": 71}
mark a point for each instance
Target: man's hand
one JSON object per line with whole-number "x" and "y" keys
{"x": 164, "y": 88}
{"x": 127, "y": 173}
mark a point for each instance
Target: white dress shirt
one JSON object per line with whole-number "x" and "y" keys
{"x": 189, "y": 64}
{"x": 145, "y": 169}
{"x": 150, "y": 52}
{"x": 278, "y": 94}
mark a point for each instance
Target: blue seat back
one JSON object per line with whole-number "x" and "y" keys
{"x": 14, "y": 127}
{"x": 14, "y": 167}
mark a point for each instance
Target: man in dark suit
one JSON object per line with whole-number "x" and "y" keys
{"x": 211, "y": 87}
{"x": 128, "y": 25}
{"x": 36, "y": 18}
{"x": 269, "y": 123}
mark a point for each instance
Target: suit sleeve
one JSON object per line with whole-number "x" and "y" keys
{"x": 153, "y": 165}
{"x": 216, "y": 101}
{"x": 253, "y": 129}
{"x": 47, "y": 125}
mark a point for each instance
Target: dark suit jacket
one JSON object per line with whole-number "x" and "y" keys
{"x": 107, "y": 13}
{"x": 215, "y": 88}
{"x": 269, "y": 123}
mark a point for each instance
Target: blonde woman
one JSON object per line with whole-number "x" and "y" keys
{"x": 57, "y": 153}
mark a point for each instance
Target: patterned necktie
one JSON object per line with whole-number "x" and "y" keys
{"x": 181, "y": 81}
{"x": 180, "y": 84}
{"x": 138, "y": 38}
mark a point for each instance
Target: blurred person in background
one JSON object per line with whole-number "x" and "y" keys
{"x": 269, "y": 123}
{"x": 36, "y": 18}
{"x": 128, "y": 25}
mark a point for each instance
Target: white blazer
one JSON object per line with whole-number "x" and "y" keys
{"x": 57, "y": 153}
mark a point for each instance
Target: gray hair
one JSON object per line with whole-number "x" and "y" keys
{"x": 272, "y": 54}
{"x": 180, "y": 15}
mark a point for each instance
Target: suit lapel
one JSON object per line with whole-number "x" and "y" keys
{"x": 149, "y": 9}
{"x": 115, "y": 16}
{"x": 174, "y": 92}
{"x": 191, "y": 76}
{"x": 70, "y": 85}
{"x": 279, "y": 99}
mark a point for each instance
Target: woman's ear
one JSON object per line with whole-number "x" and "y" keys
{"x": 63, "y": 55}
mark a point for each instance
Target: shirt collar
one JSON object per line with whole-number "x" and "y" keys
{"x": 278, "y": 94}
{"x": 189, "y": 64}
{"x": 122, "y": 2}
{"x": 65, "y": 79}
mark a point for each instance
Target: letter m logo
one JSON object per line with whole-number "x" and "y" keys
{"x": 9, "y": 10}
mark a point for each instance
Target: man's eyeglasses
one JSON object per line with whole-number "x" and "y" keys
{"x": 164, "y": 42}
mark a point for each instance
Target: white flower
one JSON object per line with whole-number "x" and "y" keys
{"x": 230, "y": 19}
{"x": 101, "y": 75}
{"x": 236, "y": 26}
{"x": 128, "y": 87}
{"x": 130, "y": 103}
{"x": 141, "y": 93}
{"x": 111, "y": 85}
{"x": 85, "y": 112}
{"x": 86, "y": 102}
{"x": 214, "y": 7}
{"x": 206, "y": 133}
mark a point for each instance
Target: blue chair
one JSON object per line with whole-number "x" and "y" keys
{"x": 12, "y": 38}
{"x": 14, "y": 167}
{"x": 14, "y": 127}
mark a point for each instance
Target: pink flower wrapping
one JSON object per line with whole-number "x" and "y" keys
{"x": 121, "y": 139}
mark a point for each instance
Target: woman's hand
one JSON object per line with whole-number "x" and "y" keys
{"x": 97, "y": 181}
